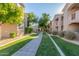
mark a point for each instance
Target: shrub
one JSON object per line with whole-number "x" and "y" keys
{"x": 28, "y": 30}
{"x": 13, "y": 34}
{"x": 61, "y": 33}
{"x": 33, "y": 34}
{"x": 54, "y": 32}
{"x": 69, "y": 35}
{"x": 49, "y": 32}
{"x": 25, "y": 30}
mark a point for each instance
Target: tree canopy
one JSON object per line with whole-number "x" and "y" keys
{"x": 43, "y": 21}
{"x": 32, "y": 18}
{"x": 11, "y": 13}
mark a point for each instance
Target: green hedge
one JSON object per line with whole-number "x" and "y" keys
{"x": 69, "y": 35}
{"x": 28, "y": 30}
{"x": 13, "y": 34}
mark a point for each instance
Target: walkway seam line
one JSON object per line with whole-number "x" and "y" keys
{"x": 58, "y": 48}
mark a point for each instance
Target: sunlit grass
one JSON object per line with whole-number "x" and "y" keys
{"x": 12, "y": 47}
{"x": 69, "y": 49}
{"x": 47, "y": 48}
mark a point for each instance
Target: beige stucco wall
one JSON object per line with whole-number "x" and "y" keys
{"x": 67, "y": 22}
{"x": 68, "y": 17}
{"x": 58, "y": 23}
{"x": 53, "y": 25}
{"x": 6, "y": 29}
{"x": 74, "y": 27}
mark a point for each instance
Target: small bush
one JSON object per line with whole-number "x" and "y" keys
{"x": 28, "y": 30}
{"x": 69, "y": 35}
{"x": 61, "y": 33}
{"x": 49, "y": 32}
{"x": 13, "y": 34}
{"x": 34, "y": 34}
{"x": 54, "y": 32}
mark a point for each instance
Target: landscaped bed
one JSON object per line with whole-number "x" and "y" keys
{"x": 47, "y": 48}
{"x": 11, "y": 48}
{"x": 69, "y": 49}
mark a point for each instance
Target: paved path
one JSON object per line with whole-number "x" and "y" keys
{"x": 30, "y": 48}
{"x": 9, "y": 40}
{"x": 58, "y": 48}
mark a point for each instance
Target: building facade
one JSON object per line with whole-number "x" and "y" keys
{"x": 6, "y": 29}
{"x": 57, "y": 22}
{"x": 71, "y": 17}
{"x": 68, "y": 20}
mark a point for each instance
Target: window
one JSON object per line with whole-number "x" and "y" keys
{"x": 73, "y": 16}
{"x": 56, "y": 21}
{"x": 57, "y": 28}
{"x": 62, "y": 19}
{"x": 62, "y": 27}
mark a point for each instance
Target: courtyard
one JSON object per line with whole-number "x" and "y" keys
{"x": 26, "y": 30}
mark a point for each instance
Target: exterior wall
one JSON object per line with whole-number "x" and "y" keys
{"x": 53, "y": 25}
{"x": 68, "y": 22}
{"x": 57, "y": 23}
{"x": 50, "y": 26}
{"x": 60, "y": 23}
{"x": 74, "y": 27}
{"x": 65, "y": 21}
{"x": 6, "y": 29}
{"x": 21, "y": 27}
{"x": 68, "y": 11}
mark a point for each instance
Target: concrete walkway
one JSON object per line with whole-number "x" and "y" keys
{"x": 30, "y": 48}
{"x": 10, "y": 40}
{"x": 58, "y": 48}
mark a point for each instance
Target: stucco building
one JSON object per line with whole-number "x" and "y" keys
{"x": 71, "y": 17}
{"x": 57, "y": 22}
{"x": 68, "y": 20}
{"x": 6, "y": 29}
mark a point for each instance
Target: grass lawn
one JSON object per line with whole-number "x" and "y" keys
{"x": 11, "y": 48}
{"x": 68, "y": 48}
{"x": 47, "y": 48}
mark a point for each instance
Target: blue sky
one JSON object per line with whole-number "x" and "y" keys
{"x": 39, "y": 8}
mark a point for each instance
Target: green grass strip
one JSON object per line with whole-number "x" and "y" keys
{"x": 68, "y": 48}
{"x": 9, "y": 49}
{"x": 47, "y": 48}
